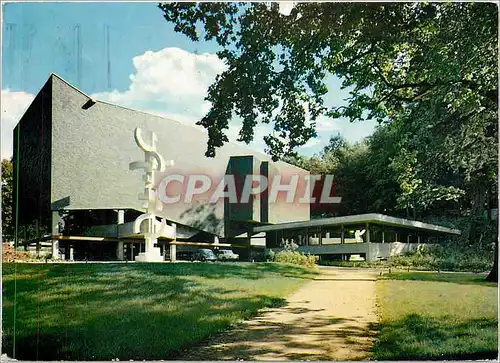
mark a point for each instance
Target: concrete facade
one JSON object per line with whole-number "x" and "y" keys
{"x": 32, "y": 162}
{"x": 75, "y": 152}
{"x": 72, "y": 156}
{"x": 372, "y": 236}
{"x": 371, "y": 251}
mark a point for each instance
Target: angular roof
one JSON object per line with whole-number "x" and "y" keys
{"x": 245, "y": 150}
{"x": 90, "y": 145}
{"x": 373, "y": 218}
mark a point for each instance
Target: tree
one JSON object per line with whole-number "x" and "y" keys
{"x": 435, "y": 78}
{"x": 383, "y": 148}
{"x": 7, "y": 187}
{"x": 277, "y": 64}
{"x": 361, "y": 172}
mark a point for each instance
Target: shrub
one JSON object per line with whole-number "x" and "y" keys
{"x": 270, "y": 255}
{"x": 376, "y": 264}
{"x": 441, "y": 258}
{"x": 295, "y": 258}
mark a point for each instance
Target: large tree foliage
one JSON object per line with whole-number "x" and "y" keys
{"x": 380, "y": 175}
{"x": 428, "y": 70}
{"x": 7, "y": 187}
{"x": 392, "y": 56}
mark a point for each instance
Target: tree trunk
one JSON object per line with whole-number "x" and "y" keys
{"x": 478, "y": 205}
{"x": 488, "y": 204}
{"x": 481, "y": 199}
{"x": 493, "y": 275}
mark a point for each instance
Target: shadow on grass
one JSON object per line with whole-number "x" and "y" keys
{"x": 456, "y": 278}
{"x": 245, "y": 270}
{"x": 344, "y": 279}
{"x": 131, "y": 311}
{"x": 298, "y": 338}
{"x": 418, "y": 338}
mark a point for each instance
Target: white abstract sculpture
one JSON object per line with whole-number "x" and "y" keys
{"x": 153, "y": 162}
{"x": 358, "y": 235}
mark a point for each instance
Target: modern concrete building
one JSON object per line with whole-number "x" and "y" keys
{"x": 73, "y": 189}
{"x": 71, "y": 161}
{"x": 370, "y": 236}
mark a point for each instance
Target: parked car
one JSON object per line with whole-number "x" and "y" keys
{"x": 227, "y": 255}
{"x": 204, "y": 254}
{"x": 185, "y": 255}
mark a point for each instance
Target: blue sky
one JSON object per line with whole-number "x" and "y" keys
{"x": 124, "y": 53}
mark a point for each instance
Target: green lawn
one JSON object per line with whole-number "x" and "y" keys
{"x": 436, "y": 316}
{"x": 132, "y": 311}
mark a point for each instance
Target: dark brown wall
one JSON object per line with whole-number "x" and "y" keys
{"x": 32, "y": 161}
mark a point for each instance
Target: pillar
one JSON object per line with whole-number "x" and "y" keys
{"x": 25, "y": 237}
{"x": 119, "y": 251}
{"x": 71, "y": 258}
{"x": 37, "y": 237}
{"x": 173, "y": 253}
{"x": 55, "y": 249}
{"x": 342, "y": 238}
{"x": 383, "y": 236}
{"x": 368, "y": 233}
{"x": 121, "y": 217}
{"x": 151, "y": 252}
{"x": 55, "y": 232}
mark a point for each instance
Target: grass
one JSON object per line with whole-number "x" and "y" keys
{"x": 357, "y": 264}
{"x": 456, "y": 278}
{"x": 132, "y": 311}
{"x": 436, "y": 316}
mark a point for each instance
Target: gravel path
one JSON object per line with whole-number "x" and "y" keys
{"x": 327, "y": 319}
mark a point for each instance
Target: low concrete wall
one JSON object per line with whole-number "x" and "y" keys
{"x": 349, "y": 248}
{"x": 373, "y": 251}
{"x": 385, "y": 250}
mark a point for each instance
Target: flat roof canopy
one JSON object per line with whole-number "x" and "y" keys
{"x": 373, "y": 218}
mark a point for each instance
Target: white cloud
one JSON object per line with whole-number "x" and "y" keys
{"x": 171, "y": 81}
{"x": 173, "y": 71}
{"x": 257, "y": 143}
{"x": 14, "y": 104}
{"x": 356, "y": 131}
{"x": 325, "y": 124}
{"x": 352, "y": 131}
{"x": 311, "y": 143}
{"x": 286, "y": 7}
{"x": 326, "y": 128}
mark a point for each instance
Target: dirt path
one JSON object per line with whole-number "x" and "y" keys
{"x": 327, "y": 319}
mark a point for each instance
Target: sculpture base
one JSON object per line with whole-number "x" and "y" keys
{"x": 153, "y": 255}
